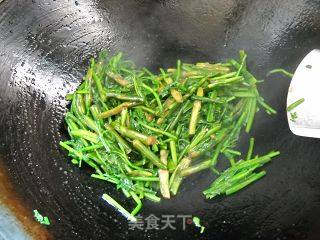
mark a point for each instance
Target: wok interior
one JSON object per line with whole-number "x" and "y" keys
{"x": 45, "y": 47}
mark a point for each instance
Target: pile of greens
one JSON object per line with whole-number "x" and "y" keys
{"x": 146, "y": 132}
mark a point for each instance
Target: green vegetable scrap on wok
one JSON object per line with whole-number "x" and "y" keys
{"x": 146, "y": 132}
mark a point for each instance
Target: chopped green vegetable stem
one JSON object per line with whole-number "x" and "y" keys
{"x": 116, "y": 110}
{"x": 118, "y": 207}
{"x": 250, "y": 150}
{"x": 144, "y": 150}
{"x": 295, "y": 104}
{"x": 195, "y": 113}
{"x": 124, "y": 131}
{"x": 252, "y": 178}
{"x": 279, "y": 70}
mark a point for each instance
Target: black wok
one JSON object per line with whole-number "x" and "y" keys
{"x": 44, "y": 50}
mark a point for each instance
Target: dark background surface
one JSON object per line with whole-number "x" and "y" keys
{"x": 44, "y": 50}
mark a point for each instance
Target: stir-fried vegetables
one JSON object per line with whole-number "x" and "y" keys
{"x": 146, "y": 132}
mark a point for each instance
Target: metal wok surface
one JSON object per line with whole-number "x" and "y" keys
{"x": 44, "y": 50}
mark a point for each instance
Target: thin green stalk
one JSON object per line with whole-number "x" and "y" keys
{"x": 88, "y": 97}
{"x": 71, "y": 150}
{"x": 247, "y": 75}
{"x": 146, "y": 179}
{"x": 119, "y": 208}
{"x": 210, "y": 113}
{"x": 295, "y": 104}
{"x": 138, "y": 202}
{"x": 196, "y": 168}
{"x": 126, "y": 193}
{"x": 104, "y": 178}
{"x": 215, "y": 127}
{"x": 164, "y": 175}
{"x": 225, "y": 81}
{"x": 254, "y": 177}
{"x": 156, "y": 96}
{"x": 137, "y": 87}
{"x": 216, "y": 154}
{"x": 178, "y": 71}
{"x": 173, "y": 151}
{"x": 90, "y": 123}
{"x": 120, "y": 140}
{"x": 242, "y": 175}
{"x": 124, "y": 115}
{"x": 172, "y": 124}
{"x": 196, "y": 139}
{"x": 90, "y": 136}
{"x": 224, "y": 76}
{"x": 91, "y": 147}
{"x": 266, "y": 106}
{"x": 195, "y": 113}
{"x": 282, "y": 71}
{"x": 243, "y": 63}
{"x": 129, "y": 133}
{"x": 236, "y": 130}
{"x": 118, "y": 79}
{"x": 70, "y": 116}
{"x": 116, "y": 110}
{"x": 251, "y": 114}
{"x": 144, "y": 108}
{"x": 145, "y": 151}
{"x": 124, "y": 97}
{"x": 250, "y": 150}
{"x": 156, "y": 130}
{"x": 99, "y": 86}
{"x": 152, "y": 197}
{"x": 260, "y": 160}
{"x": 233, "y": 152}
{"x": 176, "y": 178}
{"x": 206, "y": 99}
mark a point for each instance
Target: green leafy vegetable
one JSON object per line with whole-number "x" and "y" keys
{"x": 146, "y": 132}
